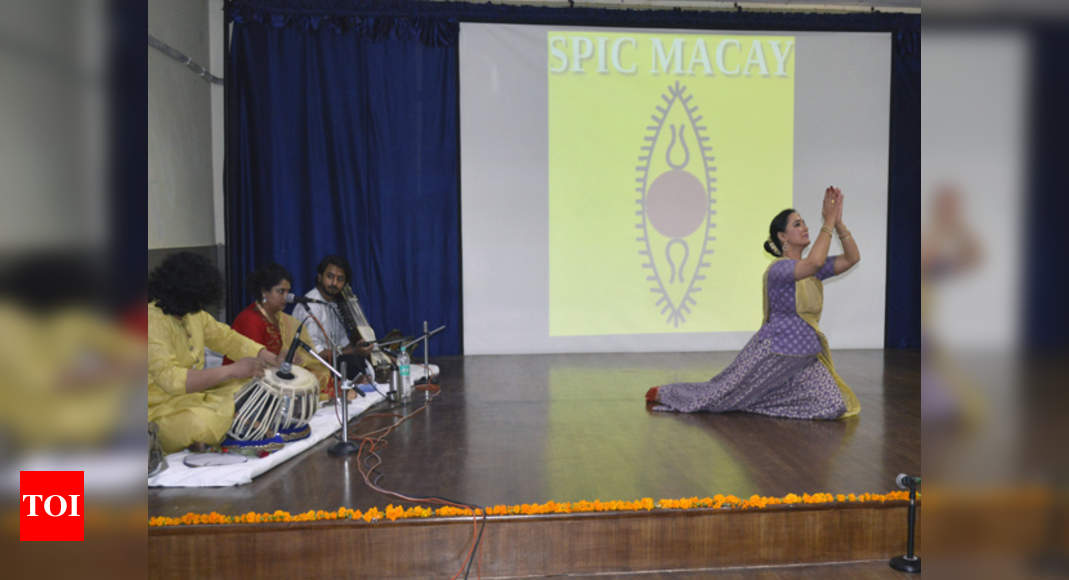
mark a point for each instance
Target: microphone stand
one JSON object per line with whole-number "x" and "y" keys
{"x": 426, "y": 363}
{"x": 909, "y": 562}
{"x": 343, "y": 447}
{"x": 425, "y": 339}
{"x": 393, "y": 394}
{"x": 426, "y": 335}
{"x": 335, "y": 352}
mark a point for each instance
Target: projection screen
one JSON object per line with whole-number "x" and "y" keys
{"x": 617, "y": 185}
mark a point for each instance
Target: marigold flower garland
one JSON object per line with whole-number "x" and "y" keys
{"x": 393, "y": 512}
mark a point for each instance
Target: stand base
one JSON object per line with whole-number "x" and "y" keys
{"x": 906, "y": 564}
{"x": 342, "y": 448}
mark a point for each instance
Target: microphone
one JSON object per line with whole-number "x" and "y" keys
{"x": 292, "y": 298}
{"x": 904, "y": 481}
{"x": 284, "y": 368}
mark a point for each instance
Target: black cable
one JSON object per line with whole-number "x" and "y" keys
{"x": 475, "y": 550}
{"x": 373, "y": 470}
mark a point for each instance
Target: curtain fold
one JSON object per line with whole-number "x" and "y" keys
{"x": 902, "y": 308}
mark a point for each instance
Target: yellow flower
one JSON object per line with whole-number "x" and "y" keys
{"x": 396, "y": 512}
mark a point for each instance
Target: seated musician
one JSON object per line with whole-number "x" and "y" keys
{"x": 189, "y": 403}
{"x": 265, "y": 322}
{"x": 325, "y": 323}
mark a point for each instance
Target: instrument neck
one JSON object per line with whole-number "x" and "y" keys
{"x": 352, "y": 317}
{"x": 354, "y": 306}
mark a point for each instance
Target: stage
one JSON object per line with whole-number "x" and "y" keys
{"x": 535, "y": 428}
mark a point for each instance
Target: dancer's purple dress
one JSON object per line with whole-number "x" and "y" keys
{"x": 778, "y": 372}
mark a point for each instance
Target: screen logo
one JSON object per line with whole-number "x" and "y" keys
{"x": 676, "y": 181}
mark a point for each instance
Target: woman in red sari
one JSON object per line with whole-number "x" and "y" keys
{"x": 265, "y": 322}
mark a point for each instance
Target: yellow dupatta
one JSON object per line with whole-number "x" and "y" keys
{"x": 808, "y": 303}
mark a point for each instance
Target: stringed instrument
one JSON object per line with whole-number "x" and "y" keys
{"x": 356, "y": 325}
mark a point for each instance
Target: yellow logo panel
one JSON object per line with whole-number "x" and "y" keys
{"x": 668, "y": 156}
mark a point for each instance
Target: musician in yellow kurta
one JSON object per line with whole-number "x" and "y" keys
{"x": 68, "y": 376}
{"x": 189, "y": 403}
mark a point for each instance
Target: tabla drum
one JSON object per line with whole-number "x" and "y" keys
{"x": 269, "y": 404}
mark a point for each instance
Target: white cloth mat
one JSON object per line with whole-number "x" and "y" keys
{"x": 323, "y": 424}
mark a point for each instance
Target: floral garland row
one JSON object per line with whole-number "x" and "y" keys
{"x": 392, "y": 512}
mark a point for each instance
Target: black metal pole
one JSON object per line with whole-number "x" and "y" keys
{"x": 909, "y": 562}
{"x": 344, "y": 446}
{"x": 912, "y": 520}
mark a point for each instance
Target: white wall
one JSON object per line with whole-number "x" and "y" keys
{"x": 182, "y": 188}
{"x": 974, "y": 141}
{"x": 215, "y": 35}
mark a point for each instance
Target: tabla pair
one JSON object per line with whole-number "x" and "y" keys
{"x": 271, "y": 410}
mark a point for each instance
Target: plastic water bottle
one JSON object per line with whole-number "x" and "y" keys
{"x": 405, "y": 367}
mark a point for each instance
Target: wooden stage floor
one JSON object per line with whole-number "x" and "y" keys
{"x": 534, "y": 428}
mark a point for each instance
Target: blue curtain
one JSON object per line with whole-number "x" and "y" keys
{"x": 342, "y": 139}
{"x": 902, "y": 308}
{"x": 1045, "y": 310}
{"x": 342, "y": 136}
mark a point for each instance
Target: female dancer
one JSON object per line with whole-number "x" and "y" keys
{"x": 785, "y": 370}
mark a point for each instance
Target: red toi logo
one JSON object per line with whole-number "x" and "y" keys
{"x": 51, "y": 506}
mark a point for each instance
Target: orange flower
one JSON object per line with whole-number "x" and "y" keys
{"x": 393, "y": 512}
